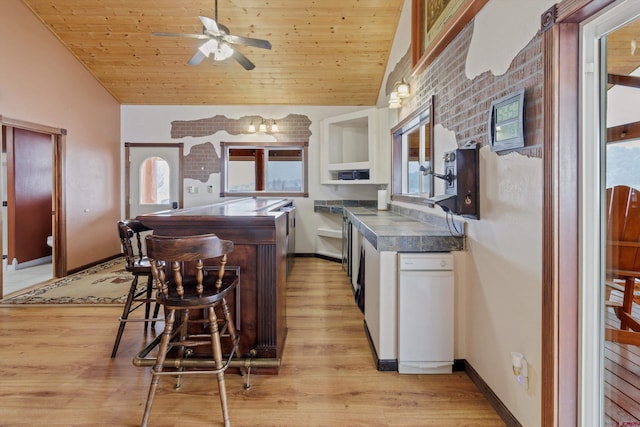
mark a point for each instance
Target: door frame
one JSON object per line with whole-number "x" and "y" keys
{"x": 560, "y": 382}
{"x": 59, "y": 225}
{"x": 127, "y": 170}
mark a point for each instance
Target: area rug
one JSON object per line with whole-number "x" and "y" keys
{"x": 105, "y": 284}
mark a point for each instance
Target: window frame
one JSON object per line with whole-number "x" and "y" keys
{"x": 224, "y": 168}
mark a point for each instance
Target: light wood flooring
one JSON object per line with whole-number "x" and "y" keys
{"x": 56, "y": 371}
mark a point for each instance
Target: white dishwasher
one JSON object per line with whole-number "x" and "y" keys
{"x": 425, "y": 313}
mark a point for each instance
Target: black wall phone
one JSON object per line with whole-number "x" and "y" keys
{"x": 461, "y": 195}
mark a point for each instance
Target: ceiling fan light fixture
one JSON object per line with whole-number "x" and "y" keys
{"x": 223, "y": 51}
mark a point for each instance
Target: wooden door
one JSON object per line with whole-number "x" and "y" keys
{"x": 29, "y": 191}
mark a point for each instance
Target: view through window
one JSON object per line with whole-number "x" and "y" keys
{"x": 154, "y": 181}
{"x": 264, "y": 169}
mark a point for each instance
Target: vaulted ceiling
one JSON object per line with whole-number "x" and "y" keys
{"x": 324, "y": 52}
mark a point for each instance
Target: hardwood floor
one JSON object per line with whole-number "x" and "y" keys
{"x": 56, "y": 371}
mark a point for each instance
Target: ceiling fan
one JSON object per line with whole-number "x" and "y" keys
{"x": 219, "y": 42}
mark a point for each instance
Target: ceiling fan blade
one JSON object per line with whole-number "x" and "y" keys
{"x": 191, "y": 36}
{"x": 210, "y": 25}
{"x": 243, "y": 60}
{"x": 247, "y": 41}
{"x": 197, "y": 58}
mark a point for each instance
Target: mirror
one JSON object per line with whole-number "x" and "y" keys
{"x": 412, "y": 153}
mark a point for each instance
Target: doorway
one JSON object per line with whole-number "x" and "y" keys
{"x": 33, "y": 230}
{"x": 153, "y": 178}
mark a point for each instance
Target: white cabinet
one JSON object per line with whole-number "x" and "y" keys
{"x": 425, "y": 313}
{"x": 380, "y": 301}
{"x": 356, "y": 142}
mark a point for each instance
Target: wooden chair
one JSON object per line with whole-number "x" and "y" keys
{"x": 623, "y": 260}
{"x": 183, "y": 283}
{"x": 138, "y": 265}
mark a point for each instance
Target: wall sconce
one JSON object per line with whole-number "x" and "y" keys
{"x": 520, "y": 370}
{"x": 401, "y": 90}
{"x": 263, "y": 127}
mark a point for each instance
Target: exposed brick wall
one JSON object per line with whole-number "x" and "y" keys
{"x": 201, "y": 162}
{"x": 462, "y": 105}
{"x": 292, "y": 128}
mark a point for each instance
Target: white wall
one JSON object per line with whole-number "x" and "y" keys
{"x": 153, "y": 124}
{"x": 499, "y": 275}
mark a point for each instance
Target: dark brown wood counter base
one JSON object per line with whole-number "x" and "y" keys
{"x": 258, "y": 229}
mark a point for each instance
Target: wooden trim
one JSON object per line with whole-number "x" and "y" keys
{"x": 629, "y": 81}
{"x": 423, "y": 55}
{"x": 127, "y": 170}
{"x": 560, "y": 287}
{"x": 396, "y": 153}
{"x": 10, "y": 196}
{"x": 59, "y": 200}
{"x": 417, "y": 12}
{"x": 35, "y": 127}
{"x": 382, "y": 365}
{"x": 261, "y": 169}
{"x": 127, "y": 180}
{"x": 493, "y": 399}
{"x": 59, "y": 137}
{"x": 623, "y": 132}
{"x": 93, "y": 264}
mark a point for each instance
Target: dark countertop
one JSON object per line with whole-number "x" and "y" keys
{"x": 392, "y": 231}
{"x": 250, "y": 207}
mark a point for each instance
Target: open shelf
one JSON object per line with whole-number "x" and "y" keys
{"x": 329, "y": 232}
{"x": 349, "y": 143}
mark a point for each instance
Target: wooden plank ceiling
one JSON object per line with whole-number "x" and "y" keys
{"x": 325, "y": 52}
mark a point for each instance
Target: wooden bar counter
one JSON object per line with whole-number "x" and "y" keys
{"x": 259, "y": 228}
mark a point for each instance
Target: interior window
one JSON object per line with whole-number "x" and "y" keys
{"x": 264, "y": 169}
{"x": 154, "y": 181}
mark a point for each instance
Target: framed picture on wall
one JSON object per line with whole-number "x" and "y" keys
{"x": 434, "y": 23}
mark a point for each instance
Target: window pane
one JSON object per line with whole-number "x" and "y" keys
{"x": 284, "y": 170}
{"x": 413, "y": 162}
{"x": 155, "y": 182}
{"x": 242, "y": 175}
{"x": 265, "y": 168}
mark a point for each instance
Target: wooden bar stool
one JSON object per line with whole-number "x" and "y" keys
{"x": 184, "y": 284}
{"x": 138, "y": 265}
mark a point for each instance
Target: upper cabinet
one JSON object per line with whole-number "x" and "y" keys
{"x": 351, "y": 148}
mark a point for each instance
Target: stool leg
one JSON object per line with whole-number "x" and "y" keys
{"x": 125, "y": 315}
{"x": 231, "y": 326}
{"x": 155, "y": 315}
{"x": 184, "y": 334}
{"x": 217, "y": 357}
{"x": 162, "y": 354}
{"x": 147, "y": 304}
